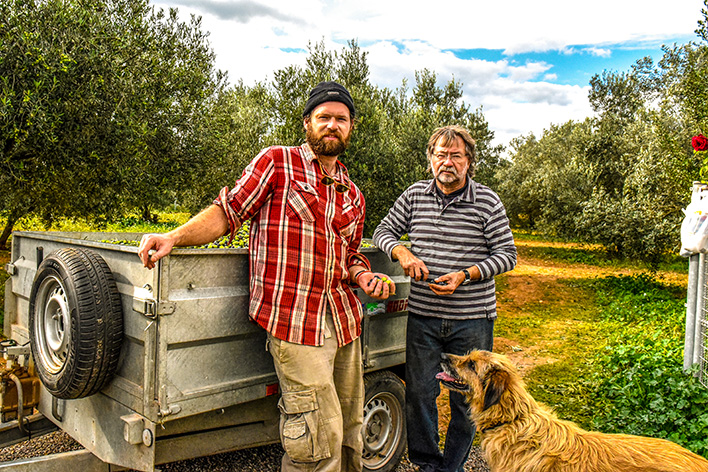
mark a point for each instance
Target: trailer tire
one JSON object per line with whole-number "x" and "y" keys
{"x": 76, "y": 323}
{"x": 384, "y": 428}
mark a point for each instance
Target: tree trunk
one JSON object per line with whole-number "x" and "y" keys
{"x": 147, "y": 215}
{"x": 6, "y": 232}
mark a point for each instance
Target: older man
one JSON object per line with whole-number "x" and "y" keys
{"x": 307, "y": 219}
{"x": 459, "y": 240}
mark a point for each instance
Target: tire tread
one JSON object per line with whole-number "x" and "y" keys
{"x": 96, "y": 322}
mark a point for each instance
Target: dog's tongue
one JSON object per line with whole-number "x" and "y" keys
{"x": 445, "y": 376}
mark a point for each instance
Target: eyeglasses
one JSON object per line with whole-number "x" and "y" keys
{"x": 326, "y": 180}
{"x": 441, "y": 156}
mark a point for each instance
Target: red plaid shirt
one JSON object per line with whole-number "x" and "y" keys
{"x": 304, "y": 237}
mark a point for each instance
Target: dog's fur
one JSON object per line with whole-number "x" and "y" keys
{"x": 521, "y": 435}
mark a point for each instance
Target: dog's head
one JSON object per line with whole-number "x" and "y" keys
{"x": 480, "y": 375}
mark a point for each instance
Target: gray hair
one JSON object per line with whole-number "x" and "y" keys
{"x": 446, "y": 136}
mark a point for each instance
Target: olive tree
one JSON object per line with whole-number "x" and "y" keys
{"x": 641, "y": 154}
{"x": 99, "y": 100}
{"x": 392, "y": 127}
{"x": 548, "y": 178}
{"x": 239, "y": 126}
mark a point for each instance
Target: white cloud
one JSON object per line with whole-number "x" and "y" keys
{"x": 241, "y": 11}
{"x": 254, "y": 38}
{"x": 599, "y": 52}
{"x": 529, "y": 71}
{"x": 512, "y": 118}
{"x": 516, "y": 99}
{"x": 515, "y": 25}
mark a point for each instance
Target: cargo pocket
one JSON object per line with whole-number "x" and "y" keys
{"x": 299, "y": 427}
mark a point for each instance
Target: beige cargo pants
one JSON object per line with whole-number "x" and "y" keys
{"x": 321, "y": 408}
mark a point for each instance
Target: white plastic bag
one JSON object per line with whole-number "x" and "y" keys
{"x": 694, "y": 229}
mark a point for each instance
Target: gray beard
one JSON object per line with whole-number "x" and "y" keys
{"x": 447, "y": 179}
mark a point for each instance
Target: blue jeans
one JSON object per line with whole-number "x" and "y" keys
{"x": 427, "y": 338}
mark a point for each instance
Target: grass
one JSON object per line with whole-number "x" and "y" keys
{"x": 165, "y": 221}
{"x": 639, "y": 381}
{"x": 555, "y": 250}
{"x": 559, "y": 332}
{"x": 604, "y": 340}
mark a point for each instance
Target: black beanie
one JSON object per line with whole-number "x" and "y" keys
{"x": 328, "y": 92}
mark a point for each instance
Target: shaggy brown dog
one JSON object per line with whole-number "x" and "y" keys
{"x": 521, "y": 435}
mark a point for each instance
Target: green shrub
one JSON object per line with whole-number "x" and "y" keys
{"x": 640, "y": 298}
{"x": 638, "y": 380}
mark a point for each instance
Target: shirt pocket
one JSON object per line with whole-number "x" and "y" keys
{"x": 349, "y": 220}
{"x": 302, "y": 201}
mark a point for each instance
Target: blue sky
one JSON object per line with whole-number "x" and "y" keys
{"x": 526, "y": 63}
{"x": 574, "y": 67}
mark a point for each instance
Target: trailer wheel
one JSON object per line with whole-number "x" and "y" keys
{"x": 76, "y": 323}
{"x": 384, "y": 427}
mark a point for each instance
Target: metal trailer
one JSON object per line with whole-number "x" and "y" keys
{"x": 193, "y": 377}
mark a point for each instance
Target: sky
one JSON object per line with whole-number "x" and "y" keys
{"x": 526, "y": 63}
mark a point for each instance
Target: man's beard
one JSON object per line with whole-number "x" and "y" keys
{"x": 323, "y": 147}
{"x": 447, "y": 179}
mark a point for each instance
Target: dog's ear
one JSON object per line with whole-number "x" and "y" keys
{"x": 495, "y": 383}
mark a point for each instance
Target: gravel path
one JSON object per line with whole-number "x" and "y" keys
{"x": 258, "y": 459}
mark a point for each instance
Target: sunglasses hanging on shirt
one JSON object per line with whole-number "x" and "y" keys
{"x": 326, "y": 180}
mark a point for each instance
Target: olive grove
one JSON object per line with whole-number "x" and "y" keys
{"x": 110, "y": 107}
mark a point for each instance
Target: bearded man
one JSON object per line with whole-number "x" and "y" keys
{"x": 307, "y": 219}
{"x": 459, "y": 240}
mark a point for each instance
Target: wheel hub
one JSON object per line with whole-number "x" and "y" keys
{"x": 382, "y": 430}
{"x": 52, "y": 324}
{"x": 377, "y": 419}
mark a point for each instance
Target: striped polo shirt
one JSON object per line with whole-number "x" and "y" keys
{"x": 472, "y": 229}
